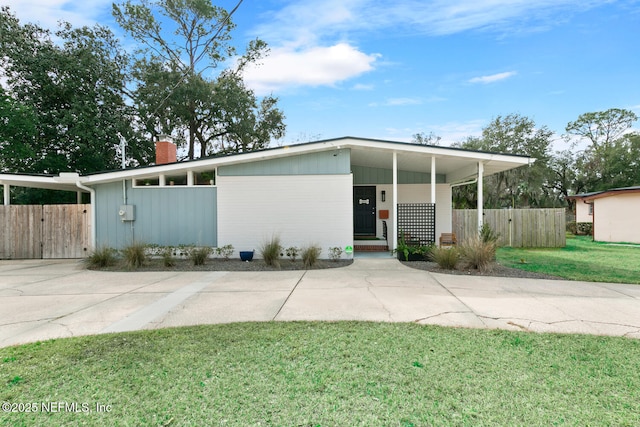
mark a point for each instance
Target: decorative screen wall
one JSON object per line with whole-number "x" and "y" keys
{"x": 418, "y": 222}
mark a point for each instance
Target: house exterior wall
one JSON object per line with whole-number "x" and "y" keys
{"x": 415, "y": 193}
{"x": 616, "y": 218}
{"x": 364, "y": 175}
{"x": 167, "y": 216}
{"x": 419, "y": 193}
{"x": 301, "y": 210}
{"x": 326, "y": 162}
{"x": 582, "y": 212}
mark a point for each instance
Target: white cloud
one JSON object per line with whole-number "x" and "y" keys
{"x": 393, "y": 102}
{"x": 451, "y": 132}
{"x": 314, "y": 66}
{"x": 303, "y": 33}
{"x": 493, "y": 77}
{"x": 47, "y": 13}
{"x": 360, "y": 86}
{"x": 315, "y": 19}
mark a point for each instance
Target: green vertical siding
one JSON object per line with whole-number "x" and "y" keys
{"x": 164, "y": 216}
{"x": 366, "y": 175}
{"x": 323, "y": 163}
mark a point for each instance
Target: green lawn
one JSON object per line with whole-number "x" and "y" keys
{"x": 581, "y": 259}
{"x": 327, "y": 374}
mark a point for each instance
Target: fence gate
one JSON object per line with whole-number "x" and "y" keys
{"x": 44, "y": 231}
{"x": 417, "y": 221}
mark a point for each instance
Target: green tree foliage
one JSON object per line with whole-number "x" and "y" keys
{"x": 68, "y": 97}
{"x": 423, "y": 138}
{"x": 522, "y": 187}
{"x": 610, "y": 159}
{"x": 182, "y": 42}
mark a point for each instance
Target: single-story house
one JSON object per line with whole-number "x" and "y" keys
{"x": 614, "y": 213}
{"x": 330, "y": 193}
{"x": 583, "y": 208}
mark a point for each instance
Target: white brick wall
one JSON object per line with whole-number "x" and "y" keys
{"x": 300, "y": 209}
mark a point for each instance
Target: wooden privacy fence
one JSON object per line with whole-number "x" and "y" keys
{"x": 44, "y": 231}
{"x": 520, "y": 228}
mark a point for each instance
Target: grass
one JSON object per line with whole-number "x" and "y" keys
{"x": 327, "y": 374}
{"x": 270, "y": 251}
{"x": 581, "y": 259}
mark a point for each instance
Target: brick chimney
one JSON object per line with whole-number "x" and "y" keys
{"x": 166, "y": 150}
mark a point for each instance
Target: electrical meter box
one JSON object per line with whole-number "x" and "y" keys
{"x": 126, "y": 212}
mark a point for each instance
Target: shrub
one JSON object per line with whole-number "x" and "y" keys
{"x": 199, "y": 255}
{"x": 487, "y": 234}
{"x": 101, "y": 257}
{"x": 572, "y": 227}
{"x": 585, "y": 228}
{"x": 226, "y": 251}
{"x": 292, "y": 253}
{"x": 270, "y": 252}
{"x": 167, "y": 257}
{"x": 478, "y": 254}
{"x": 310, "y": 256}
{"x": 335, "y": 253}
{"x": 135, "y": 255}
{"x": 447, "y": 258}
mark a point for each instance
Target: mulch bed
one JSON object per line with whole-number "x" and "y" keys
{"x": 229, "y": 265}
{"x": 218, "y": 264}
{"x": 496, "y": 271}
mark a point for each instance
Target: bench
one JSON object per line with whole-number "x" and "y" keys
{"x": 448, "y": 239}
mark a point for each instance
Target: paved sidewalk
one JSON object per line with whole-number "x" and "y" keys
{"x": 52, "y": 299}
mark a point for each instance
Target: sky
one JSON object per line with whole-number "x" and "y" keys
{"x": 392, "y": 69}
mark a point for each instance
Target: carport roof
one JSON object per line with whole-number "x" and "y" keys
{"x": 456, "y": 164}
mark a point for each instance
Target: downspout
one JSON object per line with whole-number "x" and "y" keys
{"x": 593, "y": 221}
{"x": 480, "y": 195}
{"x": 7, "y": 194}
{"x": 93, "y": 212}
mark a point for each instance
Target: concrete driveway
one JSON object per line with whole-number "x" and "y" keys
{"x": 53, "y": 299}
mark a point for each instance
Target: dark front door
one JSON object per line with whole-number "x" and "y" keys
{"x": 364, "y": 211}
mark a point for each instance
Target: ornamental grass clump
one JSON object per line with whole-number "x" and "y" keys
{"x": 167, "y": 257}
{"x": 135, "y": 255}
{"x": 101, "y": 257}
{"x": 199, "y": 255}
{"x": 310, "y": 256}
{"x": 478, "y": 254}
{"x": 446, "y": 258}
{"x": 270, "y": 252}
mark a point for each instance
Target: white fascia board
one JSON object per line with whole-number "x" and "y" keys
{"x": 291, "y": 150}
{"x": 205, "y": 164}
{"x": 435, "y": 151}
{"x": 35, "y": 181}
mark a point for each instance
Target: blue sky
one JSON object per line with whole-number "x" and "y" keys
{"x": 388, "y": 70}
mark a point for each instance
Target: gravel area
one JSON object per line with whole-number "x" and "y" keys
{"x": 497, "y": 271}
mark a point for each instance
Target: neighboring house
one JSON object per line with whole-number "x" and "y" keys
{"x": 614, "y": 214}
{"x": 328, "y": 193}
{"x": 584, "y": 207}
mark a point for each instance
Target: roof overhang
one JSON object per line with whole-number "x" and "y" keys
{"x": 64, "y": 182}
{"x": 610, "y": 193}
{"x": 456, "y": 164}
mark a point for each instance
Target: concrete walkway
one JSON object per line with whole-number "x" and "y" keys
{"x": 51, "y": 299}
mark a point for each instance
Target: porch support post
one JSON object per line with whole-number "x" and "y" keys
{"x": 7, "y": 194}
{"x": 394, "y": 210}
{"x": 433, "y": 180}
{"x": 480, "y": 195}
